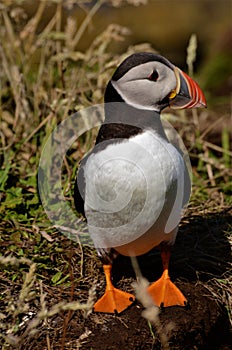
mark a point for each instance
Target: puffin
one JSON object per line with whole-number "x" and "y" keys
{"x": 133, "y": 185}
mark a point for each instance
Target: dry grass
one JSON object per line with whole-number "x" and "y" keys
{"x": 44, "y": 78}
{"x": 151, "y": 311}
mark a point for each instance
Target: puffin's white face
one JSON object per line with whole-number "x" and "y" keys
{"x": 147, "y": 85}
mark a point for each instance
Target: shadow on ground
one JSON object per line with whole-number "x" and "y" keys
{"x": 202, "y": 253}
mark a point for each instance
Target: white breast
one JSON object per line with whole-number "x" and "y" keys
{"x": 133, "y": 187}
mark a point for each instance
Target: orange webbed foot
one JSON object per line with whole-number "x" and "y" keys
{"x": 163, "y": 292}
{"x": 114, "y": 300}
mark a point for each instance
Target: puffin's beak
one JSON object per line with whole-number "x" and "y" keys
{"x": 187, "y": 94}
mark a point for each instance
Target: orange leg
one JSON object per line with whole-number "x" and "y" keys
{"x": 163, "y": 292}
{"x": 114, "y": 300}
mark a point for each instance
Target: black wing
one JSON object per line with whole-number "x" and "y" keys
{"x": 79, "y": 194}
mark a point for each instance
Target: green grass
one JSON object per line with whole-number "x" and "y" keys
{"x": 44, "y": 79}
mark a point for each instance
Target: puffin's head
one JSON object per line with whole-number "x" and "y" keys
{"x": 149, "y": 81}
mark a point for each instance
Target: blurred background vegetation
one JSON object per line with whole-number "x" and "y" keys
{"x": 55, "y": 58}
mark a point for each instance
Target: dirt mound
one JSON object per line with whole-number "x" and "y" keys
{"x": 203, "y": 325}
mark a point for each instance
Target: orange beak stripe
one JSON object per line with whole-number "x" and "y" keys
{"x": 197, "y": 96}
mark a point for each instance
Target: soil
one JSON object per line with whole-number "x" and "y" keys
{"x": 203, "y": 325}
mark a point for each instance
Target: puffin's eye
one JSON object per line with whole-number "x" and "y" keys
{"x": 154, "y": 76}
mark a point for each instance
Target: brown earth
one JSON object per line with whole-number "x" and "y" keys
{"x": 201, "y": 253}
{"x": 204, "y": 325}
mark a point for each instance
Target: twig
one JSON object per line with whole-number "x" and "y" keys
{"x": 210, "y": 127}
{"x": 86, "y": 22}
{"x": 217, "y": 148}
{"x": 70, "y": 312}
{"x": 151, "y": 312}
{"x": 38, "y": 128}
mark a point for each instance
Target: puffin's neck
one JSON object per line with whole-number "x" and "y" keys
{"x": 117, "y": 111}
